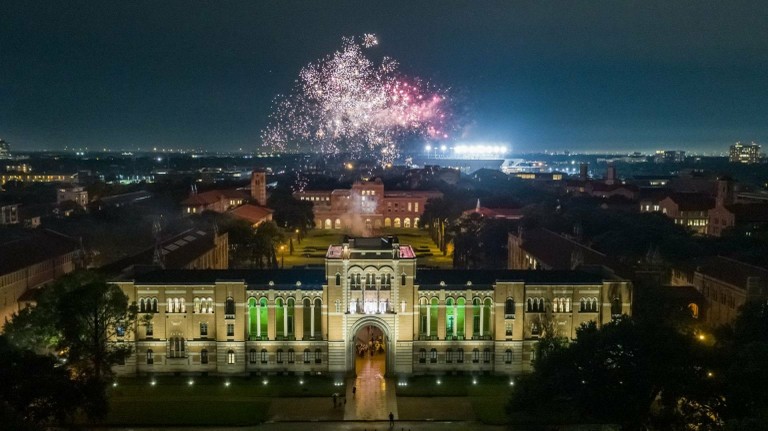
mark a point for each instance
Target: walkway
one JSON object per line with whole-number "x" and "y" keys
{"x": 375, "y": 396}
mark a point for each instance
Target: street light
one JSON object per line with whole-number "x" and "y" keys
{"x": 282, "y": 256}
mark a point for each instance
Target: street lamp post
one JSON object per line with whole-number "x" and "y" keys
{"x": 282, "y": 256}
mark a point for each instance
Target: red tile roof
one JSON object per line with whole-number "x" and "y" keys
{"x": 252, "y": 213}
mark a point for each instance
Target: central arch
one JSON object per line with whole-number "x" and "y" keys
{"x": 387, "y": 341}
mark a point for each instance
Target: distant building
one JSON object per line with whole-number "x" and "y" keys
{"x": 669, "y": 156}
{"x": 9, "y": 214}
{"x": 688, "y": 209}
{"x": 77, "y": 195}
{"x": 5, "y": 150}
{"x": 259, "y": 188}
{"x": 219, "y": 201}
{"x": 728, "y": 214}
{"x": 191, "y": 249}
{"x": 543, "y": 249}
{"x": 726, "y": 285}
{"x": 253, "y": 214}
{"x": 744, "y": 153}
{"x": 495, "y": 213}
{"x": 366, "y": 206}
{"x": 29, "y": 260}
{"x": 37, "y": 178}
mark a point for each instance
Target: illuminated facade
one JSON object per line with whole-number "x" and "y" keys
{"x": 308, "y": 320}
{"x": 366, "y": 206}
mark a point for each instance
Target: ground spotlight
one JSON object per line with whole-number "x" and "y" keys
{"x": 191, "y": 382}
{"x": 153, "y": 383}
{"x": 264, "y": 382}
{"x": 226, "y": 383}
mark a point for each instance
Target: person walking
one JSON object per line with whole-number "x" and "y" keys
{"x": 354, "y": 389}
{"x": 391, "y": 420}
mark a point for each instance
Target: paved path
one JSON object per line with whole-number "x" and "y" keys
{"x": 335, "y": 426}
{"x": 375, "y": 396}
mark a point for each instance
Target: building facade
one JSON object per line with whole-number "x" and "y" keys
{"x": 311, "y": 320}
{"x": 744, "y": 153}
{"x": 366, "y": 206}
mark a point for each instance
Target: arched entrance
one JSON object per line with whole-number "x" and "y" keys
{"x": 370, "y": 347}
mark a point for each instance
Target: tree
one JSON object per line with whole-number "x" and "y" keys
{"x": 79, "y": 318}
{"x": 291, "y": 213}
{"x": 628, "y": 373}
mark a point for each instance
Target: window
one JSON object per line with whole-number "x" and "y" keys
{"x": 433, "y": 356}
{"x": 279, "y": 356}
{"x": 448, "y": 356}
{"x": 150, "y": 329}
{"x": 229, "y": 308}
{"x": 291, "y": 356}
{"x": 307, "y": 356}
{"x": 422, "y": 356}
{"x": 508, "y": 356}
{"x": 204, "y": 356}
{"x": 177, "y": 347}
{"x": 616, "y": 307}
{"x": 252, "y": 357}
{"x": 475, "y": 356}
{"x": 150, "y": 357}
{"x": 509, "y": 309}
{"x": 264, "y": 356}
{"x": 318, "y": 356}
{"x": 231, "y": 357}
{"x": 230, "y": 329}
{"x": 120, "y": 330}
{"x": 487, "y": 356}
{"x": 402, "y": 279}
{"x": 203, "y": 329}
{"x": 460, "y": 356}
{"x": 508, "y": 329}
{"x": 338, "y": 279}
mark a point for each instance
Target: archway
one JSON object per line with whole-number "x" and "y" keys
{"x": 370, "y": 347}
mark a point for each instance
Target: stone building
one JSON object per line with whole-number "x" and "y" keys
{"x": 366, "y": 206}
{"x": 315, "y": 320}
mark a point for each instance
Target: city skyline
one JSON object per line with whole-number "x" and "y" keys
{"x": 556, "y": 76}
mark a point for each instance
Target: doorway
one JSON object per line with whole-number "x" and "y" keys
{"x": 370, "y": 348}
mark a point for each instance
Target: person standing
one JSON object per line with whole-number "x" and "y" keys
{"x": 391, "y": 420}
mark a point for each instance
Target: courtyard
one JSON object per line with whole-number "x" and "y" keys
{"x": 313, "y": 246}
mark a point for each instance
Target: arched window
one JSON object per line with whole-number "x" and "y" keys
{"x": 317, "y": 334}
{"x": 402, "y": 279}
{"x": 307, "y": 318}
{"x": 196, "y": 305}
{"x": 450, "y": 318}
{"x": 694, "y": 309}
{"x": 318, "y": 356}
{"x": 230, "y": 357}
{"x": 448, "y": 356}
{"x": 291, "y": 356}
{"x": 229, "y": 308}
{"x": 150, "y": 357}
{"x": 252, "y": 356}
{"x": 509, "y": 308}
{"x": 433, "y": 356}
{"x": 386, "y": 281}
{"x": 476, "y": 317}
{"x": 433, "y": 312}
{"x": 154, "y": 305}
{"x": 204, "y": 356}
{"x": 422, "y": 356}
{"x": 176, "y": 347}
{"x": 328, "y": 223}
{"x": 279, "y": 318}
{"x": 141, "y": 305}
{"x": 290, "y": 312}
{"x": 423, "y": 317}
{"x": 337, "y": 224}
{"x": 508, "y": 356}
{"x": 387, "y": 222}
{"x": 529, "y": 304}
{"x": 416, "y": 220}
{"x": 307, "y": 356}
{"x": 407, "y": 223}
{"x": 338, "y": 279}
{"x": 397, "y": 222}
{"x": 582, "y": 305}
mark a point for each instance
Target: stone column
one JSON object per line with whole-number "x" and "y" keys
{"x": 298, "y": 314}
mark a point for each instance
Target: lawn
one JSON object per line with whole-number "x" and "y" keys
{"x": 487, "y": 394}
{"x": 315, "y": 244}
{"x": 207, "y": 400}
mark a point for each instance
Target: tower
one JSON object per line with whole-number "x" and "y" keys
{"x": 724, "y": 192}
{"x": 610, "y": 175}
{"x": 259, "y": 187}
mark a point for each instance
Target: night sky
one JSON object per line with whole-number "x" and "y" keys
{"x": 574, "y": 75}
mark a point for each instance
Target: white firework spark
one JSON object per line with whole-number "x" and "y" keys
{"x": 345, "y": 103}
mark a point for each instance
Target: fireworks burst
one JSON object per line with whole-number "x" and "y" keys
{"x": 345, "y": 103}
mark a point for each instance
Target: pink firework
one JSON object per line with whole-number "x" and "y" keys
{"x": 345, "y": 103}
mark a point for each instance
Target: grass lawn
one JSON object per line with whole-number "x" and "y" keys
{"x": 208, "y": 400}
{"x": 487, "y": 394}
{"x": 314, "y": 245}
